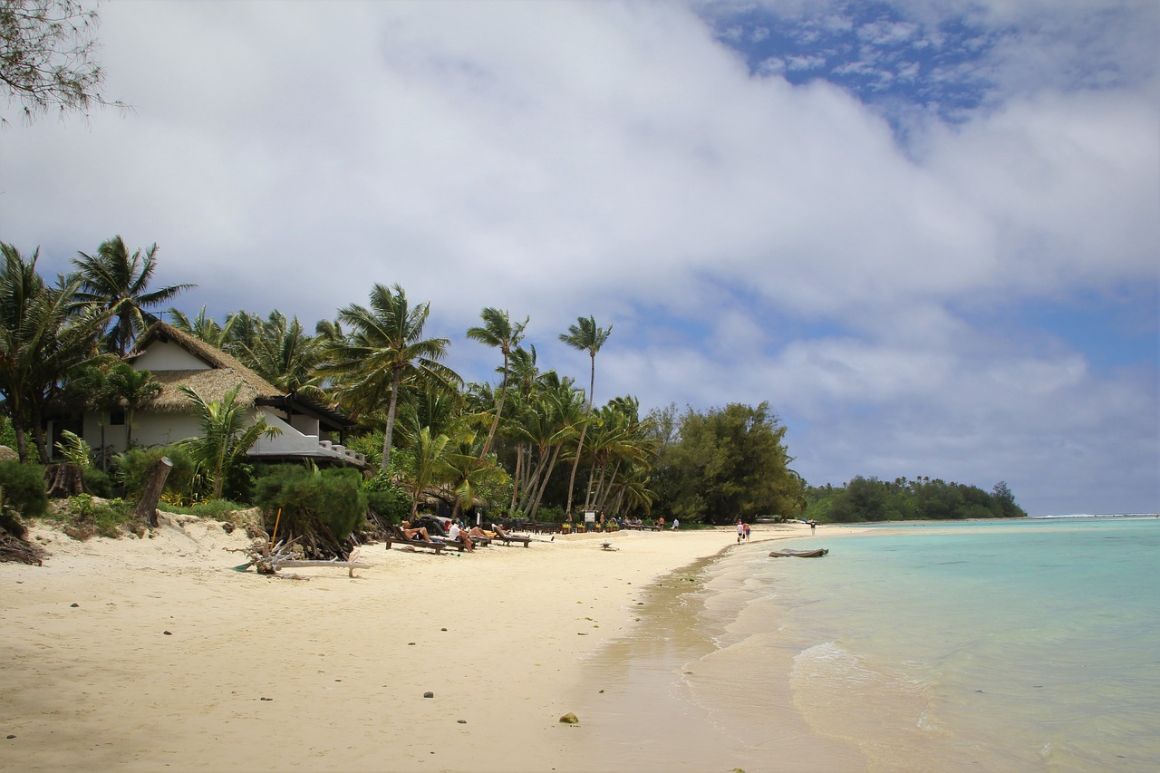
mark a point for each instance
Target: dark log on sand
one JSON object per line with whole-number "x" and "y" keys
{"x": 799, "y": 553}
{"x": 147, "y": 506}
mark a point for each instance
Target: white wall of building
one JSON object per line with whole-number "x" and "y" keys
{"x": 165, "y": 355}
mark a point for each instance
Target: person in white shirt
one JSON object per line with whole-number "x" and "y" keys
{"x": 456, "y": 534}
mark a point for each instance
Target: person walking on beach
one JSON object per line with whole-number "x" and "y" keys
{"x": 746, "y": 532}
{"x": 740, "y": 531}
{"x": 813, "y": 526}
{"x": 676, "y": 523}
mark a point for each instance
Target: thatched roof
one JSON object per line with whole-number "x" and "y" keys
{"x": 224, "y": 373}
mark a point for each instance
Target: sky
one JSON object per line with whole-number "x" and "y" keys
{"x": 925, "y": 233}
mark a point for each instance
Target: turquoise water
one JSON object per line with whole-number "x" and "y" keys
{"x": 1001, "y": 645}
{"x": 1030, "y": 645}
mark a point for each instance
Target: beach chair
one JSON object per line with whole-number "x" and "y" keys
{"x": 397, "y": 536}
{"x": 507, "y": 537}
{"x": 453, "y": 544}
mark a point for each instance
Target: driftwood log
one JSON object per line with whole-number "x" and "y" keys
{"x": 268, "y": 559}
{"x": 147, "y": 506}
{"x": 800, "y": 553}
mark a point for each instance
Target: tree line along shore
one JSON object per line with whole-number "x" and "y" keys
{"x": 532, "y": 446}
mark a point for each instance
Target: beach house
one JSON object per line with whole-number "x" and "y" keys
{"x": 309, "y": 430}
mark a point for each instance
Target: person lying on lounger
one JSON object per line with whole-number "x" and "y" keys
{"x": 478, "y": 532}
{"x": 419, "y": 533}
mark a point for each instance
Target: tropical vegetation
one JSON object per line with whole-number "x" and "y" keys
{"x": 516, "y": 446}
{"x": 902, "y": 499}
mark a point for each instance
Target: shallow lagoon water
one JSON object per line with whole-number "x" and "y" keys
{"x": 1014, "y": 645}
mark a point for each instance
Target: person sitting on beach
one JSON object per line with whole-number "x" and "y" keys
{"x": 413, "y": 534}
{"x": 456, "y": 534}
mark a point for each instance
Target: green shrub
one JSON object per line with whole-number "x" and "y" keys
{"x": 386, "y": 499}
{"x": 552, "y": 514}
{"x": 324, "y": 506}
{"x": 369, "y": 445}
{"x": 239, "y": 482}
{"x": 22, "y": 487}
{"x": 7, "y": 433}
{"x": 85, "y": 517}
{"x": 214, "y": 509}
{"x": 98, "y": 482}
{"x": 132, "y": 470}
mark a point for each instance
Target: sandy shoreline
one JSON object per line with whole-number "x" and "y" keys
{"x": 147, "y": 654}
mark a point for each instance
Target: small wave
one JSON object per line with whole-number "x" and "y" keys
{"x": 831, "y": 662}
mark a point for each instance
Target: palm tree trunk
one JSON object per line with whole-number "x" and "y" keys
{"x": 498, "y": 410}
{"x": 21, "y": 442}
{"x": 575, "y": 465}
{"x": 389, "y": 430}
{"x": 583, "y": 432}
{"x": 547, "y": 478}
{"x": 591, "y": 477}
{"x": 606, "y": 492}
{"x": 533, "y": 480}
{"x": 516, "y": 477}
{"x": 38, "y": 437}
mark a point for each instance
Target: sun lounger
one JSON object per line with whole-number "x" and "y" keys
{"x": 397, "y": 536}
{"x": 508, "y": 538}
{"x": 453, "y": 544}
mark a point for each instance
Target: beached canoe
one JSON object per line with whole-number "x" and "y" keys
{"x": 800, "y": 553}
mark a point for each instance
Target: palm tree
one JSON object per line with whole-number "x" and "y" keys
{"x": 278, "y": 350}
{"x": 132, "y": 389}
{"x": 225, "y": 436}
{"x": 115, "y": 281}
{"x": 623, "y": 449}
{"x": 468, "y": 473}
{"x": 499, "y": 332}
{"x": 585, "y": 336}
{"x": 431, "y": 465}
{"x": 544, "y": 423}
{"x": 42, "y": 339}
{"x": 383, "y": 351}
{"x": 203, "y": 327}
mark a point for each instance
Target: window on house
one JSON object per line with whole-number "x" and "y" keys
{"x": 116, "y": 417}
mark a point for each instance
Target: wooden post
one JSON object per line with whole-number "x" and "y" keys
{"x": 147, "y": 507}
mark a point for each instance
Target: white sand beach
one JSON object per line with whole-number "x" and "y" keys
{"x": 152, "y": 653}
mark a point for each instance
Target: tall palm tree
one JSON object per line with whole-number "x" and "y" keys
{"x": 225, "y": 436}
{"x": 116, "y": 282}
{"x": 585, "y": 336}
{"x": 498, "y": 331}
{"x": 384, "y": 350}
{"x": 42, "y": 339}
